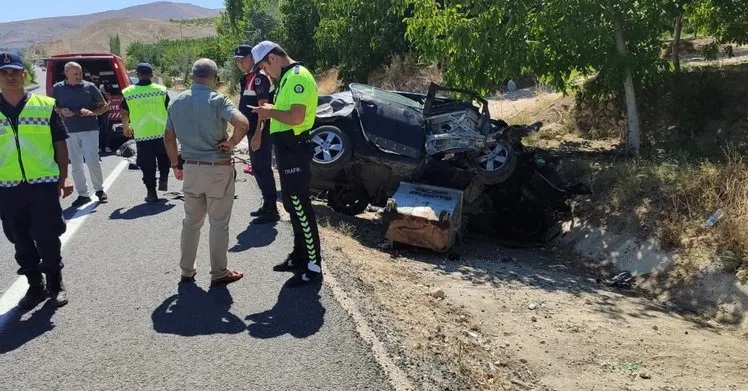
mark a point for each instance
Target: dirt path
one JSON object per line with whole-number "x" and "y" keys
{"x": 503, "y": 319}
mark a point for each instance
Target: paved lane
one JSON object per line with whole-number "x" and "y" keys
{"x": 130, "y": 326}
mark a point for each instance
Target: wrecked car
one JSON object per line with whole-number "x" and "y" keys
{"x": 368, "y": 140}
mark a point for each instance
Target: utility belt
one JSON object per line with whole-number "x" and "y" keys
{"x": 289, "y": 142}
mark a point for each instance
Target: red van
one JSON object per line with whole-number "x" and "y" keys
{"x": 106, "y": 70}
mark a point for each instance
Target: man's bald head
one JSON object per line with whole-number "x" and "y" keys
{"x": 73, "y": 73}
{"x": 205, "y": 71}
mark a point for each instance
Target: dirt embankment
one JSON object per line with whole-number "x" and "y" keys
{"x": 491, "y": 318}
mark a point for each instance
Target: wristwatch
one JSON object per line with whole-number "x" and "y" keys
{"x": 174, "y": 165}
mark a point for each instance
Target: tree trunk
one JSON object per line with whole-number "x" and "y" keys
{"x": 633, "y": 136}
{"x": 675, "y": 48}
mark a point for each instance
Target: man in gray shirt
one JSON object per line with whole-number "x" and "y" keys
{"x": 79, "y": 102}
{"x": 198, "y": 119}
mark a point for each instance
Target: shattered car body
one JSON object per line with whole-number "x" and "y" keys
{"x": 368, "y": 140}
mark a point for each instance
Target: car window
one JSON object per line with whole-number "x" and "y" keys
{"x": 363, "y": 90}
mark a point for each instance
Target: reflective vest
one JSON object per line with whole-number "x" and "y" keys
{"x": 28, "y": 153}
{"x": 147, "y": 108}
{"x": 297, "y": 86}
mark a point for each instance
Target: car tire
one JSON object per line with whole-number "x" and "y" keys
{"x": 332, "y": 147}
{"x": 488, "y": 173}
{"x": 347, "y": 200}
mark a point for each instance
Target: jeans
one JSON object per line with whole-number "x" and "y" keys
{"x": 84, "y": 146}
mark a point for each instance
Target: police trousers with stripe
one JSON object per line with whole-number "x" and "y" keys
{"x": 294, "y": 159}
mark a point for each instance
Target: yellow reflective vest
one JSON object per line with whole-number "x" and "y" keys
{"x": 27, "y": 153}
{"x": 147, "y": 108}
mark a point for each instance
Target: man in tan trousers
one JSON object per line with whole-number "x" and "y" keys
{"x": 198, "y": 119}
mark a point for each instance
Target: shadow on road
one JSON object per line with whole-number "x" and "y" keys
{"x": 193, "y": 311}
{"x": 256, "y": 235}
{"x": 141, "y": 210}
{"x": 298, "y": 312}
{"x": 18, "y": 332}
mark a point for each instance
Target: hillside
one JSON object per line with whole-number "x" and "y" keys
{"x": 25, "y": 33}
{"x": 95, "y": 38}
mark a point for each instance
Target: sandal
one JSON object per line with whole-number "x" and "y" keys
{"x": 229, "y": 278}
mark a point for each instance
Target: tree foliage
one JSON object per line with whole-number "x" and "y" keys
{"x": 300, "y": 19}
{"x": 30, "y": 72}
{"x": 115, "y": 45}
{"x": 173, "y": 57}
{"x": 355, "y": 35}
{"x": 726, "y": 20}
{"x": 360, "y": 36}
{"x": 482, "y": 43}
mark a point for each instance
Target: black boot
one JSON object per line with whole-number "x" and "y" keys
{"x": 163, "y": 184}
{"x": 151, "y": 196}
{"x": 259, "y": 210}
{"x": 56, "y": 288}
{"x": 36, "y": 293}
{"x": 293, "y": 263}
{"x": 270, "y": 215}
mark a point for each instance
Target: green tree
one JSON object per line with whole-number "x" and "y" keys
{"x": 299, "y": 21}
{"x": 726, "y": 20}
{"x": 114, "y": 45}
{"x": 174, "y": 57}
{"x": 480, "y": 43}
{"x": 248, "y": 21}
{"x": 360, "y": 35}
{"x": 30, "y": 72}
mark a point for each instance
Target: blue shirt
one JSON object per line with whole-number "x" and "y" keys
{"x": 81, "y": 96}
{"x": 199, "y": 117}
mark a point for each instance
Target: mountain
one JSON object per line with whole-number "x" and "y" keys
{"x": 22, "y": 34}
{"x": 95, "y": 37}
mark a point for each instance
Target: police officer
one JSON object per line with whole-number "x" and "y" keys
{"x": 33, "y": 172}
{"x": 144, "y": 114}
{"x": 256, "y": 91}
{"x": 291, "y": 117}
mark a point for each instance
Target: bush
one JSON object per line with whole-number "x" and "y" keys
{"x": 710, "y": 51}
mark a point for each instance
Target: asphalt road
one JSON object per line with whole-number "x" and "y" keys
{"x": 130, "y": 326}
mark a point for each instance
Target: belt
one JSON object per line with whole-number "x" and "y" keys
{"x": 202, "y": 163}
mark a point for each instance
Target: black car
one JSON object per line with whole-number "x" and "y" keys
{"x": 367, "y": 140}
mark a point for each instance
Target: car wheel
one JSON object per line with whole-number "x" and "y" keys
{"x": 348, "y": 200}
{"x": 495, "y": 164}
{"x": 332, "y": 147}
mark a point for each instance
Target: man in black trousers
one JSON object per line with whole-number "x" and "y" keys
{"x": 33, "y": 174}
{"x": 144, "y": 115}
{"x": 256, "y": 91}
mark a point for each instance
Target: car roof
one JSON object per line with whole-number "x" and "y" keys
{"x": 95, "y": 56}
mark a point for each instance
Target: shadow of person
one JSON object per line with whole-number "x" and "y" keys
{"x": 193, "y": 311}
{"x": 256, "y": 235}
{"x": 141, "y": 210}
{"x": 18, "y": 332}
{"x": 298, "y": 312}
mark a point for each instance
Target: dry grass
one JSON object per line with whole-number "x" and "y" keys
{"x": 672, "y": 199}
{"x": 342, "y": 227}
{"x": 668, "y": 197}
{"x": 406, "y": 74}
{"x": 328, "y": 82}
{"x": 402, "y": 74}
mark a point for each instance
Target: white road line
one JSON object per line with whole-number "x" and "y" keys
{"x": 13, "y": 295}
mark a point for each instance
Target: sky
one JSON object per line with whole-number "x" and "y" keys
{"x": 77, "y": 7}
